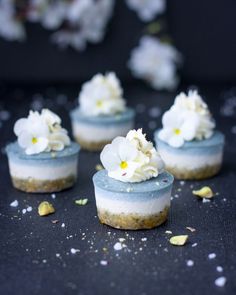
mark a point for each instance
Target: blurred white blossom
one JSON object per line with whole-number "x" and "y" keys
{"x": 10, "y": 28}
{"x": 155, "y": 62}
{"x": 76, "y": 21}
{"x": 147, "y": 9}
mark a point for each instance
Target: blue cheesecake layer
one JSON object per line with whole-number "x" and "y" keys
{"x": 152, "y": 188}
{"x": 16, "y": 153}
{"x": 214, "y": 144}
{"x": 103, "y": 120}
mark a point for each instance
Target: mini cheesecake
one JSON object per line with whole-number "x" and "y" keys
{"x": 133, "y": 206}
{"x": 196, "y": 159}
{"x": 45, "y": 172}
{"x": 94, "y": 132}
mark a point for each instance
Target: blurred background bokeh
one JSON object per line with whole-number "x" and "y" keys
{"x": 39, "y": 43}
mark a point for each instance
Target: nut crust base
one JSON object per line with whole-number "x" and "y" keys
{"x": 92, "y": 146}
{"x": 31, "y": 185}
{"x": 133, "y": 221}
{"x": 196, "y": 174}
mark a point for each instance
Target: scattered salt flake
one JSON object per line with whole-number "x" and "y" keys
{"x": 81, "y": 202}
{"x": 58, "y": 255}
{"x": 220, "y": 282}
{"x": 191, "y": 229}
{"x": 212, "y": 256}
{"x": 121, "y": 239}
{"x": 55, "y": 221}
{"x": 205, "y": 200}
{"x": 204, "y": 192}
{"x": 182, "y": 182}
{"x": 103, "y": 262}
{"x": 29, "y": 209}
{"x": 176, "y": 196}
{"x": 14, "y": 203}
{"x": 219, "y": 268}
{"x": 24, "y": 211}
{"x": 144, "y": 239}
{"x": 53, "y": 196}
{"x": 179, "y": 240}
{"x": 118, "y": 246}
{"x": 190, "y": 263}
{"x": 44, "y": 260}
{"x": 194, "y": 245}
{"x": 169, "y": 232}
{"x": 74, "y": 251}
{"x": 63, "y": 224}
{"x": 99, "y": 167}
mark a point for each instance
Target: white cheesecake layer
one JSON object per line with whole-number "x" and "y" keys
{"x": 144, "y": 208}
{"x": 93, "y": 133}
{"x": 42, "y": 172}
{"x": 188, "y": 161}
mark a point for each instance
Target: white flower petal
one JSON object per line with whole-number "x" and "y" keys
{"x": 176, "y": 141}
{"x": 20, "y": 126}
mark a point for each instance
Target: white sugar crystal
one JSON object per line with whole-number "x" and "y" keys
{"x": 219, "y": 268}
{"x": 144, "y": 239}
{"x": 63, "y": 224}
{"x": 182, "y": 182}
{"x": 53, "y": 196}
{"x": 121, "y": 240}
{"x": 58, "y": 255}
{"x": 24, "y": 211}
{"x": 74, "y": 251}
{"x": 190, "y": 262}
{"x": 14, "y": 203}
{"x": 220, "y": 282}
{"x": 103, "y": 262}
{"x": 194, "y": 245}
{"x": 117, "y": 246}
{"x": 29, "y": 209}
{"x": 212, "y": 256}
{"x": 204, "y": 200}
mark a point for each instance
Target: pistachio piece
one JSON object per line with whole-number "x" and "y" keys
{"x": 204, "y": 192}
{"x": 45, "y": 208}
{"x": 81, "y": 202}
{"x": 179, "y": 240}
{"x": 99, "y": 167}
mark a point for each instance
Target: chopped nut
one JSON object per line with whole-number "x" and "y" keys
{"x": 191, "y": 228}
{"x": 99, "y": 167}
{"x": 81, "y": 202}
{"x": 45, "y": 208}
{"x": 204, "y": 192}
{"x": 179, "y": 240}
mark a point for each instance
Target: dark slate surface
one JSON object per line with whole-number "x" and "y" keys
{"x": 30, "y": 244}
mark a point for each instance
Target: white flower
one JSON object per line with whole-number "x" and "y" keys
{"x": 41, "y": 133}
{"x": 155, "y": 62}
{"x": 10, "y": 28}
{"x": 131, "y": 158}
{"x": 102, "y": 95}
{"x": 32, "y": 134}
{"x": 188, "y": 119}
{"x": 147, "y": 9}
{"x": 88, "y": 20}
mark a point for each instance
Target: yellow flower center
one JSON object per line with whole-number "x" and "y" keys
{"x": 99, "y": 103}
{"x": 123, "y": 165}
{"x": 177, "y": 131}
{"x": 34, "y": 140}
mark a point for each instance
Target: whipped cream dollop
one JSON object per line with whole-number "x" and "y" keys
{"x": 41, "y": 132}
{"x": 188, "y": 119}
{"x": 132, "y": 158}
{"x": 102, "y": 95}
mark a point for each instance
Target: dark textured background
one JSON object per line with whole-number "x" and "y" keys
{"x": 204, "y": 31}
{"x": 29, "y": 243}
